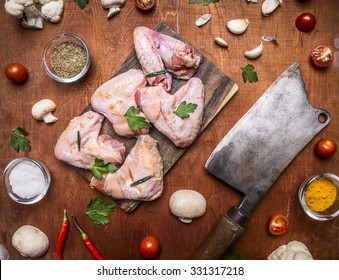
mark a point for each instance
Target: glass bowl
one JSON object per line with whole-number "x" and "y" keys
{"x": 26, "y": 180}
{"x": 326, "y": 214}
{"x": 66, "y": 58}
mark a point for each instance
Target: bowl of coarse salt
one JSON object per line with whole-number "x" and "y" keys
{"x": 26, "y": 180}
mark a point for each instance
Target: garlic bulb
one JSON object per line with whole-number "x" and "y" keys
{"x": 221, "y": 42}
{"x": 268, "y": 6}
{"x": 238, "y": 26}
{"x": 256, "y": 52}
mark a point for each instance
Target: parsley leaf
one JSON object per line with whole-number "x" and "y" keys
{"x": 81, "y": 3}
{"x": 205, "y": 2}
{"x": 248, "y": 74}
{"x": 100, "y": 167}
{"x": 19, "y": 140}
{"x": 184, "y": 109}
{"x": 136, "y": 122}
{"x": 99, "y": 210}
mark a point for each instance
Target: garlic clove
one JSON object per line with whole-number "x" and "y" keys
{"x": 238, "y": 26}
{"x": 221, "y": 42}
{"x": 256, "y": 52}
{"x": 203, "y": 19}
{"x": 268, "y": 6}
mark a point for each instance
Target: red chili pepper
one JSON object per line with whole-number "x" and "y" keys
{"x": 62, "y": 237}
{"x": 89, "y": 243}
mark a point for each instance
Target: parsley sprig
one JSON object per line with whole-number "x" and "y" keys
{"x": 81, "y": 3}
{"x": 134, "y": 121}
{"x": 248, "y": 74}
{"x": 99, "y": 210}
{"x": 206, "y": 2}
{"x": 184, "y": 109}
{"x": 100, "y": 168}
{"x": 19, "y": 140}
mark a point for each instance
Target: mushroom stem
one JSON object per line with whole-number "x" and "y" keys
{"x": 49, "y": 118}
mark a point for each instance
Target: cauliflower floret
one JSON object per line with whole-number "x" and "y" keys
{"x": 16, "y": 8}
{"x": 294, "y": 250}
{"x": 53, "y": 10}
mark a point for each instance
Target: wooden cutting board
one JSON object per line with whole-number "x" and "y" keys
{"x": 219, "y": 89}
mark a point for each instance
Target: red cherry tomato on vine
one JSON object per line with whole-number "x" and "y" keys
{"x": 16, "y": 72}
{"x": 326, "y": 147}
{"x": 305, "y": 22}
{"x": 149, "y": 247}
{"x": 278, "y": 224}
{"x": 322, "y": 56}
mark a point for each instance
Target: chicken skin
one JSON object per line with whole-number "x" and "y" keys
{"x": 81, "y": 143}
{"x": 143, "y": 167}
{"x": 157, "y": 52}
{"x": 159, "y": 108}
{"x": 116, "y": 96}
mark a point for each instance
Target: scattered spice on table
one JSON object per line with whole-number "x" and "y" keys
{"x": 320, "y": 195}
{"x": 68, "y": 59}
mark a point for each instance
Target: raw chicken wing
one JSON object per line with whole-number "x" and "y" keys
{"x": 159, "y": 106}
{"x": 143, "y": 161}
{"x": 156, "y": 51}
{"x": 116, "y": 96}
{"x": 91, "y": 144}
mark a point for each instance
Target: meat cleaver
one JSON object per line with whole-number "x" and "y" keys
{"x": 257, "y": 149}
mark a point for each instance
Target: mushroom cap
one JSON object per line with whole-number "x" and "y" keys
{"x": 42, "y": 108}
{"x": 187, "y": 204}
{"x": 30, "y": 241}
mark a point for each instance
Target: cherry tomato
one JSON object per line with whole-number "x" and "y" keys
{"x": 322, "y": 56}
{"x": 305, "y": 22}
{"x": 278, "y": 224}
{"x": 16, "y": 72}
{"x": 325, "y": 147}
{"x": 145, "y": 5}
{"x": 149, "y": 247}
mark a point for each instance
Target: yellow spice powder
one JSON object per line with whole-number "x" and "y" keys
{"x": 320, "y": 195}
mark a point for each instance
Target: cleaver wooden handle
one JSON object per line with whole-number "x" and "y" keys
{"x": 222, "y": 236}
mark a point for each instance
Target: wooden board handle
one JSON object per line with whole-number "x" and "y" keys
{"x": 222, "y": 236}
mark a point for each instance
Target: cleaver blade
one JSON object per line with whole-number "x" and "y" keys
{"x": 256, "y": 151}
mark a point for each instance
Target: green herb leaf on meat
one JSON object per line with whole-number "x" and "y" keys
{"x": 134, "y": 121}
{"x": 19, "y": 140}
{"x": 81, "y": 3}
{"x": 142, "y": 180}
{"x": 157, "y": 73}
{"x": 184, "y": 109}
{"x": 99, "y": 210}
{"x": 248, "y": 74}
{"x": 100, "y": 168}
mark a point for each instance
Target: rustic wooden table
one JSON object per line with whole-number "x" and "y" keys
{"x": 110, "y": 42}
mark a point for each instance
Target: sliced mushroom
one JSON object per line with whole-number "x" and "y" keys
{"x": 187, "y": 205}
{"x": 42, "y": 110}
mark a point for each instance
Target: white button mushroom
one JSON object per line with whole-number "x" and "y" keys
{"x": 30, "y": 241}
{"x": 187, "y": 204}
{"x": 113, "y": 6}
{"x": 42, "y": 110}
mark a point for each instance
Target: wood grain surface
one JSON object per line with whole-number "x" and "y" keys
{"x": 219, "y": 89}
{"x": 110, "y": 43}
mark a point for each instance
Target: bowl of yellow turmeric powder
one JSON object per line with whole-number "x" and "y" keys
{"x": 319, "y": 196}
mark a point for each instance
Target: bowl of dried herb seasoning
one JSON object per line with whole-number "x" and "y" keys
{"x": 66, "y": 58}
